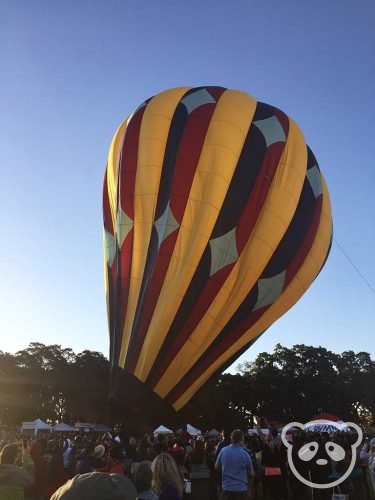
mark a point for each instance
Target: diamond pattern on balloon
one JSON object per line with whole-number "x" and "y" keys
{"x": 271, "y": 129}
{"x": 165, "y": 225}
{"x": 196, "y": 99}
{"x": 124, "y": 225}
{"x": 315, "y": 180}
{"x": 270, "y": 289}
{"x": 223, "y": 251}
{"x": 109, "y": 247}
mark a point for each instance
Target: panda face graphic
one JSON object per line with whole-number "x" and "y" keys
{"x": 311, "y": 462}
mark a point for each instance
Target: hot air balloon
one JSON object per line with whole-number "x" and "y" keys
{"x": 216, "y": 221}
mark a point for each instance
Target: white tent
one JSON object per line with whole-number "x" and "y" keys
{"x": 35, "y": 426}
{"x": 162, "y": 430}
{"x": 192, "y": 430}
{"x": 214, "y": 432}
{"x": 326, "y": 426}
{"x": 255, "y": 431}
{"x": 62, "y": 427}
{"x": 101, "y": 428}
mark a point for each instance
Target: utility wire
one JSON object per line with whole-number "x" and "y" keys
{"x": 354, "y": 266}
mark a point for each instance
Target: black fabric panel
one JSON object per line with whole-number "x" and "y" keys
{"x": 296, "y": 232}
{"x": 242, "y": 183}
{"x": 311, "y": 160}
{"x": 326, "y": 257}
{"x": 174, "y": 138}
{"x": 263, "y": 111}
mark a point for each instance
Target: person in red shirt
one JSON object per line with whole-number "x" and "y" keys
{"x": 115, "y": 466}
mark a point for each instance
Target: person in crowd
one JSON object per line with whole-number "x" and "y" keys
{"x": 56, "y": 475}
{"x": 274, "y": 460}
{"x": 200, "y": 471}
{"x": 115, "y": 464}
{"x": 160, "y": 445}
{"x": 182, "y": 462}
{"x": 142, "y": 449}
{"x": 236, "y": 467}
{"x": 131, "y": 450}
{"x": 209, "y": 448}
{"x": 368, "y": 454}
{"x": 127, "y": 485}
{"x": 225, "y": 441}
{"x": 143, "y": 482}
{"x": 70, "y": 457}
{"x": 96, "y": 486}
{"x": 166, "y": 480}
{"x": 37, "y": 450}
{"x": 100, "y": 462}
{"x": 84, "y": 459}
{"x": 14, "y": 479}
{"x": 185, "y": 436}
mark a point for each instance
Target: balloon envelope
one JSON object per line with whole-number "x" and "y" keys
{"x": 216, "y": 220}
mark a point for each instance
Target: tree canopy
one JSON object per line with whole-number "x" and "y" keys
{"x": 290, "y": 384}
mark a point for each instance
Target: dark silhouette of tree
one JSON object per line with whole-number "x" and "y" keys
{"x": 290, "y": 384}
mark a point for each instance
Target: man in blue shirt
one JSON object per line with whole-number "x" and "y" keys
{"x": 236, "y": 467}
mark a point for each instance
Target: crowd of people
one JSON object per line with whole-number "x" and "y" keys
{"x": 234, "y": 465}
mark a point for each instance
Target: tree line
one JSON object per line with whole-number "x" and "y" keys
{"x": 290, "y": 384}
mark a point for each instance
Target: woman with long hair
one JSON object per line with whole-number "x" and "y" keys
{"x": 165, "y": 478}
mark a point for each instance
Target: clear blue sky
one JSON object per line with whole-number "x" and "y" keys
{"x": 72, "y": 70}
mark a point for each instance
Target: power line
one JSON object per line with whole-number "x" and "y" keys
{"x": 354, "y": 266}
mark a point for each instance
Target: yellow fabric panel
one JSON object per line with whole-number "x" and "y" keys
{"x": 220, "y": 153}
{"x": 113, "y": 168}
{"x": 273, "y": 221}
{"x": 297, "y": 287}
{"x": 152, "y": 142}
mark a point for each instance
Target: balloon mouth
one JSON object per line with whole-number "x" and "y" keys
{"x": 129, "y": 398}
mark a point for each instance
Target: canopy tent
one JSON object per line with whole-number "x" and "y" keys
{"x": 214, "y": 432}
{"x": 101, "y": 428}
{"x": 162, "y": 430}
{"x": 327, "y": 426}
{"x": 83, "y": 426}
{"x": 35, "y": 426}
{"x": 62, "y": 427}
{"x": 255, "y": 431}
{"x": 193, "y": 431}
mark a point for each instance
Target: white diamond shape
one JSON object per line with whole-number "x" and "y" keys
{"x": 223, "y": 251}
{"x": 166, "y": 224}
{"x": 271, "y": 129}
{"x": 124, "y": 225}
{"x": 315, "y": 180}
{"x": 269, "y": 289}
{"x": 109, "y": 247}
{"x": 196, "y": 99}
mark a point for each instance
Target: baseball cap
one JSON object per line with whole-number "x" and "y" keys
{"x": 94, "y": 486}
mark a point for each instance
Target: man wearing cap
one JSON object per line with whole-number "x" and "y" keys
{"x": 96, "y": 486}
{"x": 236, "y": 467}
{"x": 100, "y": 463}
